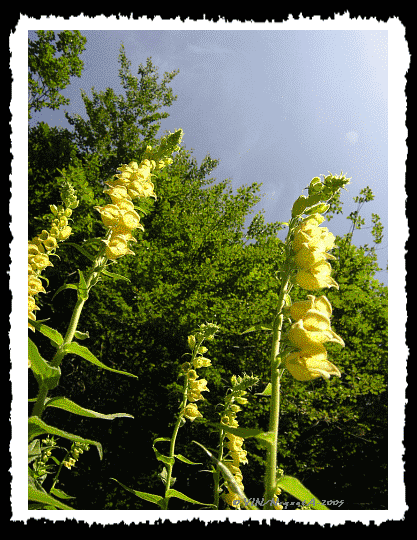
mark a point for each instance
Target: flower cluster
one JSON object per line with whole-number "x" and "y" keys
{"x": 120, "y": 217}
{"x": 195, "y": 385}
{"x": 45, "y": 244}
{"x": 133, "y": 181}
{"x": 77, "y": 448}
{"x": 311, "y": 244}
{"x": 308, "y": 333}
{"x": 234, "y": 444}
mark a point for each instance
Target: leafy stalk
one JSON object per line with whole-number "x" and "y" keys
{"x": 83, "y": 290}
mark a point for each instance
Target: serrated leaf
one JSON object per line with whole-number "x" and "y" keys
{"x": 85, "y": 353}
{"x": 36, "y": 427}
{"x": 156, "y": 499}
{"x": 295, "y": 488}
{"x": 68, "y": 405}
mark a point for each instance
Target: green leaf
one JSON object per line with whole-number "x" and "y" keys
{"x": 156, "y": 499}
{"x": 81, "y": 335}
{"x": 35, "y": 494}
{"x": 266, "y": 392}
{"x": 174, "y": 493}
{"x": 82, "y": 250}
{"x": 264, "y": 438}
{"x": 165, "y": 459}
{"x": 59, "y": 493}
{"x": 82, "y": 351}
{"x": 38, "y": 427}
{"x": 82, "y": 288}
{"x": 295, "y": 488}
{"x": 186, "y": 460}
{"x": 257, "y": 327}
{"x": 68, "y": 405}
{"x": 49, "y": 332}
{"x": 113, "y": 275}
{"x": 44, "y": 373}
{"x": 66, "y": 286}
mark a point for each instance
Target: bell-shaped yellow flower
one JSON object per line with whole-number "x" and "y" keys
{"x": 306, "y": 256}
{"x": 116, "y": 247}
{"x": 317, "y": 277}
{"x": 191, "y": 412}
{"x": 299, "y": 309}
{"x": 312, "y": 330}
{"x": 310, "y": 363}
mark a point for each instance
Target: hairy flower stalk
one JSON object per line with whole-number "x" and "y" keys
{"x": 120, "y": 218}
{"x": 41, "y": 247}
{"x": 307, "y": 256}
{"x": 192, "y": 390}
{"x": 236, "y": 455}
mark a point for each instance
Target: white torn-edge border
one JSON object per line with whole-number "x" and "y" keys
{"x": 398, "y": 64}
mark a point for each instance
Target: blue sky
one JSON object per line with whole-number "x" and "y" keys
{"x": 274, "y": 106}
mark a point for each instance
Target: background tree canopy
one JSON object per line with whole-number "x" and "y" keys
{"x": 194, "y": 263}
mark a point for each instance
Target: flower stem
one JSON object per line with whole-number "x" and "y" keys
{"x": 271, "y": 460}
{"x": 91, "y": 280}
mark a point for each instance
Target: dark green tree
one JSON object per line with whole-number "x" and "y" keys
{"x": 195, "y": 263}
{"x": 52, "y": 60}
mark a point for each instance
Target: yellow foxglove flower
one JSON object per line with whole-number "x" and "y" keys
{"x": 117, "y": 247}
{"x": 314, "y": 329}
{"x": 191, "y": 412}
{"x": 64, "y": 233}
{"x": 110, "y": 214}
{"x": 310, "y": 363}
{"x": 317, "y": 277}
{"x": 195, "y": 388}
{"x": 299, "y": 309}
{"x": 306, "y": 257}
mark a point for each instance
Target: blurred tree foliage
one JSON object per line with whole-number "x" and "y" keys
{"x": 195, "y": 263}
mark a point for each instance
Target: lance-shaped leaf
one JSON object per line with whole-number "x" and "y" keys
{"x": 264, "y": 438}
{"x": 256, "y": 327}
{"x": 65, "y": 286}
{"x": 174, "y": 493}
{"x": 44, "y": 373}
{"x": 36, "y": 427}
{"x": 295, "y": 488}
{"x": 113, "y": 275}
{"x": 68, "y": 405}
{"x": 55, "y": 337}
{"x": 40, "y": 496}
{"x": 156, "y": 499}
{"x": 85, "y": 353}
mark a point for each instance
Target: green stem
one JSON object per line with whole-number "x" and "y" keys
{"x": 91, "y": 280}
{"x": 170, "y": 466}
{"x": 271, "y": 460}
